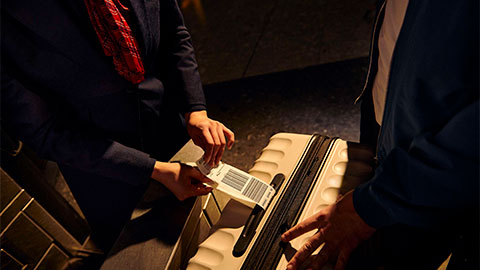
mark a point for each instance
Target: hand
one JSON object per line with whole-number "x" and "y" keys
{"x": 184, "y": 181}
{"x": 339, "y": 227}
{"x": 209, "y": 135}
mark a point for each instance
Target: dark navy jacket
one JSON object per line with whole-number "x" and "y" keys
{"x": 62, "y": 96}
{"x": 428, "y": 148}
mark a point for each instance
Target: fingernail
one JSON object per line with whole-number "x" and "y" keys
{"x": 289, "y": 267}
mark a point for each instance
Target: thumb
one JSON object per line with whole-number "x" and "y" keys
{"x": 197, "y": 175}
{"x": 202, "y": 190}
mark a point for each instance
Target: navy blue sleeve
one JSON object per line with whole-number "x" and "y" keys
{"x": 433, "y": 180}
{"x": 182, "y": 67}
{"x": 27, "y": 116}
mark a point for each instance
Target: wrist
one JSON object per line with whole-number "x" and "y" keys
{"x": 195, "y": 114}
{"x": 161, "y": 171}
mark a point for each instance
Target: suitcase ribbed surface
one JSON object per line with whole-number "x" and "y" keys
{"x": 268, "y": 248}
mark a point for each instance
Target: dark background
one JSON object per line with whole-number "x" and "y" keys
{"x": 281, "y": 65}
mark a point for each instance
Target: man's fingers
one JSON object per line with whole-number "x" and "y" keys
{"x": 307, "y": 225}
{"x": 230, "y": 136}
{"x": 305, "y": 251}
{"x": 342, "y": 260}
{"x": 322, "y": 257}
{"x": 344, "y": 254}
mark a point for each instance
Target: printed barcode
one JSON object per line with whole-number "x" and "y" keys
{"x": 255, "y": 189}
{"x": 235, "y": 179}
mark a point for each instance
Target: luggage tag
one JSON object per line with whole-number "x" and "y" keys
{"x": 237, "y": 183}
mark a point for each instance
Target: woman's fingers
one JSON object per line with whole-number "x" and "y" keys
{"x": 209, "y": 145}
{"x": 223, "y": 142}
{"x": 230, "y": 136}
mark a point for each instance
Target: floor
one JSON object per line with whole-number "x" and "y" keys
{"x": 280, "y": 65}
{"x": 237, "y": 39}
{"x": 318, "y": 99}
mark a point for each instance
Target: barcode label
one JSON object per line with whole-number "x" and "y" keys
{"x": 235, "y": 180}
{"x": 255, "y": 189}
{"x": 237, "y": 183}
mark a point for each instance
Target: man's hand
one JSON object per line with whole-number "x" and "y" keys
{"x": 209, "y": 135}
{"x": 184, "y": 181}
{"x": 339, "y": 227}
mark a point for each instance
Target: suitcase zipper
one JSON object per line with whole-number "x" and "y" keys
{"x": 268, "y": 249}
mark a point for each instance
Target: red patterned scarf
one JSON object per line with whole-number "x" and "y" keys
{"x": 116, "y": 38}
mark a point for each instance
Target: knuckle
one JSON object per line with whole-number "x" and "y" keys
{"x": 300, "y": 227}
{"x": 308, "y": 246}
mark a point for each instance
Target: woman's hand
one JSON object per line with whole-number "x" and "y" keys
{"x": 212, "y": 136}
{"x": 183, "y": 180}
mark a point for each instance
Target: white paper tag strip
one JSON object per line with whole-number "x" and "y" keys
{"x": 237, "y": 183}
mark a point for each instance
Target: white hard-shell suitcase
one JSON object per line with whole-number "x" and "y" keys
{"x": 308, "y": 172}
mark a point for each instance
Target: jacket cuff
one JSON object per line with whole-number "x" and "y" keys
{"x": 196, "y": 107}
{"x": 369, "y": 206}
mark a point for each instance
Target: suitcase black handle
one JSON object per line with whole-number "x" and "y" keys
{"x": 253, "y": 220}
